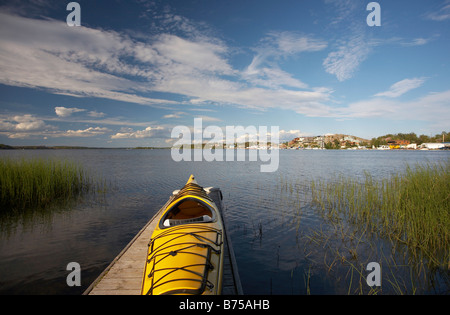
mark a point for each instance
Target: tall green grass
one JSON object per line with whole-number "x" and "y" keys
{"x": 410, "y": 208}
{"x": 26, "y": 183}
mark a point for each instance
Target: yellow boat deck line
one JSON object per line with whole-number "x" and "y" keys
{"x": 124, "y": 275}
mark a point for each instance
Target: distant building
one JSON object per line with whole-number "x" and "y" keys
{"x": 398, "y": 144}
{"x": 432, "y": 146}
{"x": 351, "y": 139}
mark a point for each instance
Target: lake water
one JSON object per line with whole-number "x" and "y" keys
{"x": 277, "y": 235}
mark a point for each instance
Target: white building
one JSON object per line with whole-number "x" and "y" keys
{"x": 432, "y": 146}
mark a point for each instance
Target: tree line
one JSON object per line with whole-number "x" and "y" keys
{"x": 411, "y": 137}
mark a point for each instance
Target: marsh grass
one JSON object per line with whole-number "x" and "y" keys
{"x": 38, "y": 183}
{"x": 401, "y": 221}
{"x": 409, "y": 208}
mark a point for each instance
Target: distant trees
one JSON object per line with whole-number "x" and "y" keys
{"x": 411, "y": 137}
{"x": 333, "y": 145}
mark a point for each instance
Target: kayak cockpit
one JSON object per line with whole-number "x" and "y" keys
{"x": 188, "y": 210}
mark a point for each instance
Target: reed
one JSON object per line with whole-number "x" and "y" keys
{"x": 26, "y": 183}
{"x": 410, "y": 208}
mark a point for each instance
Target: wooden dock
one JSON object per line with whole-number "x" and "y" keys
{"x": 124, "y": 275}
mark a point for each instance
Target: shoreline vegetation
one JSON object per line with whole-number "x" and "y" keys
{"x": 407, "y": 212}
{"x": 408, "y": 208}
{"x": 401, "y": 222}
{"x": 37, "y": 183}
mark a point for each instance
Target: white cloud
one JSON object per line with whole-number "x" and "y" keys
{"x": 46, "y": 54}
{"x": 77, "y": 61}
{"x": 174, "y": 115}
{"x": 372, "y": 108}
{"x": 352, "y": 48}
{"x": 6, "y": 125}
{"x": 168, "y": 116}
{"x": 441, "y": 14}
{"x": 89, "y": 132}
{"x": 191, "y": 56}
{"x": 417, "y": 42}
{"x": 433, "y": 107}
{"x": 401, "y": 87}
{"x": 85, "y": 62}
{"x": 30, "y": 126}
{"x": 23, "y": 126}
{"x": 276, "y": 46}
{"x": 346, "y": 59}
{"x": 273, "y": 78}
{"x": 28, "y": 123}
{"x": 149, "y": 132}
{"x": 343, "y": 10}
{"x": 96, "y": 114}
{"x": 66, "y": 112}
{"x": 112, "y": 121}
{"x": 208, "y": 118}
{"x": 23, "y": 123}
{"x": 290, "y": 43}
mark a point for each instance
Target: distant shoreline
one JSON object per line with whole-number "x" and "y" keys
{"x": 328, "y": 141}
{"x": 61, "y": 147}
{"x": 33, "y": 147}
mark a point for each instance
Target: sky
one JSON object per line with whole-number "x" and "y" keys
{"x": 133, "y": 70}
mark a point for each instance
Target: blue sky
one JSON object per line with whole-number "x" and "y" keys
{"x": 136, "y": 69}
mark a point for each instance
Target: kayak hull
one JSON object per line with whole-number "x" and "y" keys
{"x": 185, "y": 254}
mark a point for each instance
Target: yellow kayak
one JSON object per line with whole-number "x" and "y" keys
{"x": 185, "y": 253}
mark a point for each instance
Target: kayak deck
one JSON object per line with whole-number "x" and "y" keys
{"x": 124, "y": 275}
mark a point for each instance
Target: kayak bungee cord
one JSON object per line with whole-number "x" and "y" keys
{"x": 203, "y": 278}
{"x": 178, "y": 231}
{"x": 163, "y": 251}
